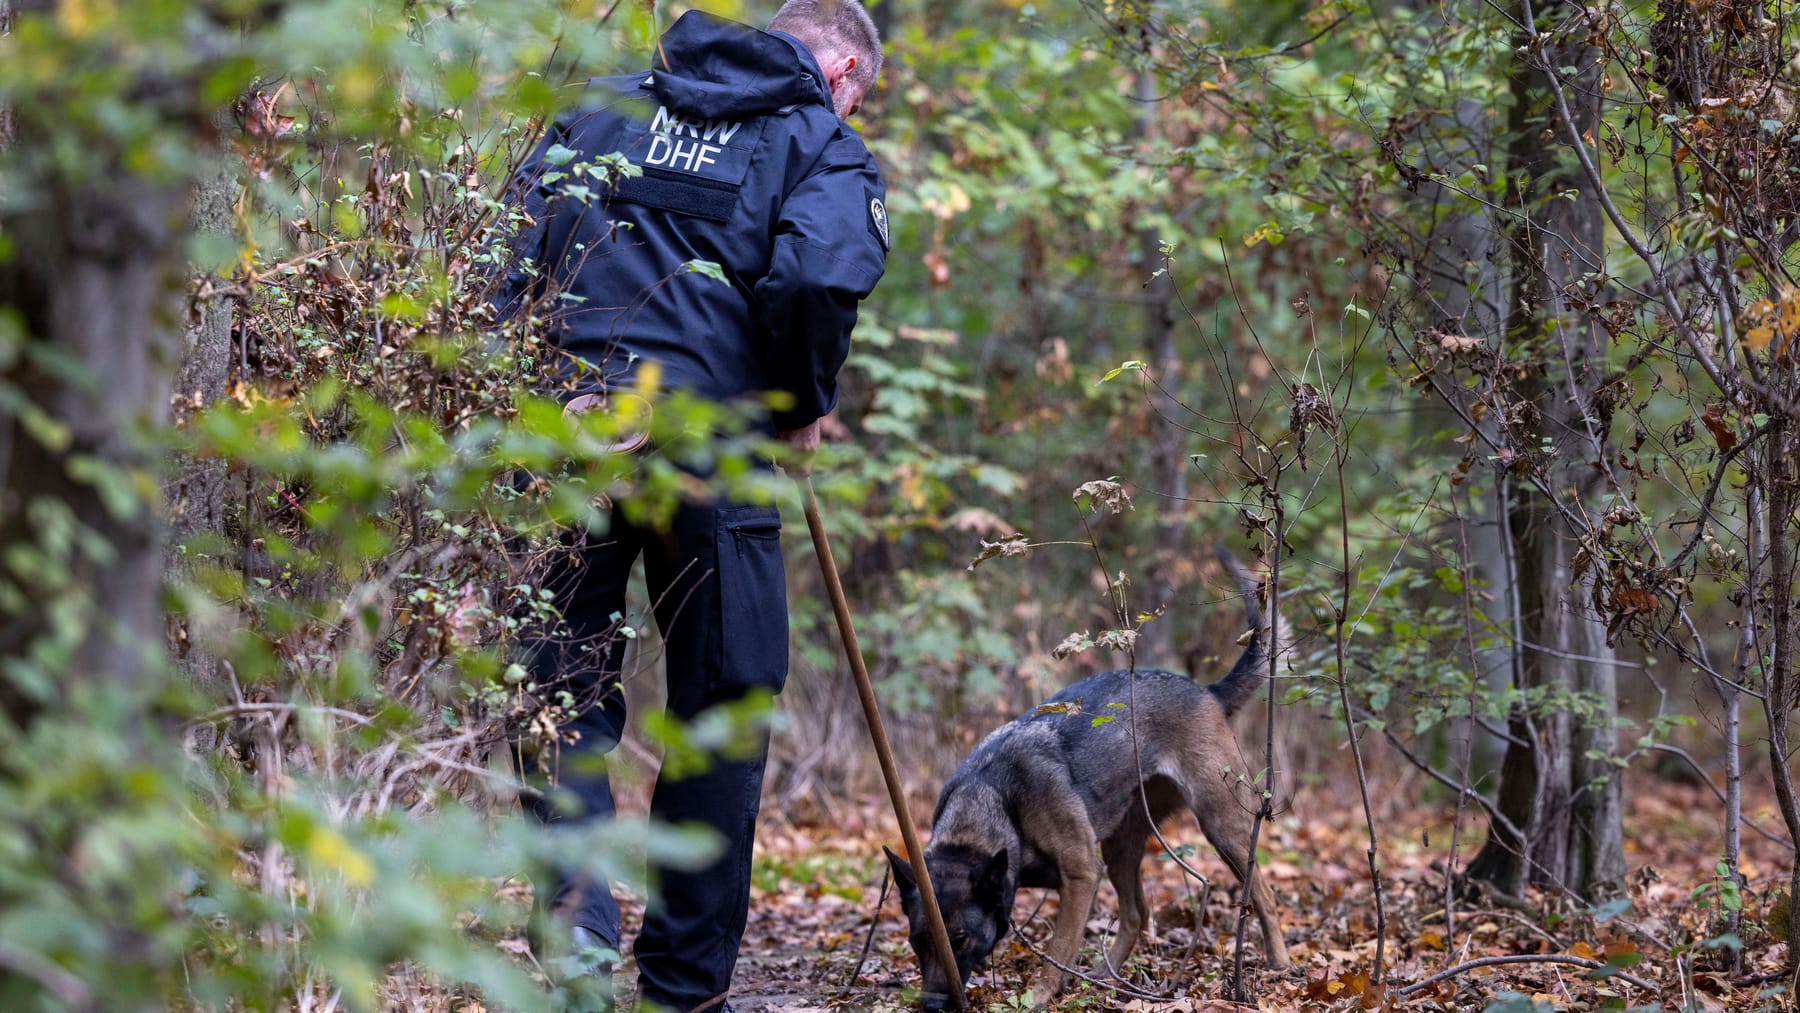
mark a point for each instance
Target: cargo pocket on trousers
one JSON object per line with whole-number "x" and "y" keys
{"x": 753, "y": 620}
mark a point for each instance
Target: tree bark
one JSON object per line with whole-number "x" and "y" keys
{"x": 96, "y": 279}
{"x": 1466, "y": 292}
{"x": 6, "y": 125}
{"x": 1594, "y": 849}
{"x": 196, "y": 493}
{"x": 1781, "y": 689}
{"x": 1168, "y": 463}
{"x": 1568, "y": 800}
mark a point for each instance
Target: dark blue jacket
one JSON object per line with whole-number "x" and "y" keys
{"x": 744, "y": 164}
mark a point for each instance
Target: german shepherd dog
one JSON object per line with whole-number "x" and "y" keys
{"x": 1035, "y": 799}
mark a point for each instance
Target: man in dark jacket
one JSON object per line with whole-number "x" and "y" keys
{"x": 746, "y": 163}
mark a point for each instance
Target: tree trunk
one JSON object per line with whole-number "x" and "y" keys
{"x": 196, "y": 493}
{"x": 1466, "y": 295}
{"x": 882, "y": 13}
{"x": 1156, "y": 642}
{"x": 6, "y": 125}
{"x": 96, "y": 280}
{"x": 1568, "y": 804}
{"x": 1781, "y": 689}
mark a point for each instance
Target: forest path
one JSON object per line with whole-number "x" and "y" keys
{"x": 817, "y": 890}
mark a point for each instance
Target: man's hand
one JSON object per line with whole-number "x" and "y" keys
{"x": 805, "y": 442}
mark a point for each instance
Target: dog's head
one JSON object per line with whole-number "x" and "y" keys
{"x": 974, "y": 891}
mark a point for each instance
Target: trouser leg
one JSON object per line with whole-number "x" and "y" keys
{"x": 588, "y": 585}
{"x": 688, "y": 948}
{"x": 720, "y": 596}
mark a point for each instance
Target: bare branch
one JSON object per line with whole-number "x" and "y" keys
{"x": 1525, "y": 958}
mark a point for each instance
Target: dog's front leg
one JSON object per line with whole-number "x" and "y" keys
{"x": 1075, "y": 901}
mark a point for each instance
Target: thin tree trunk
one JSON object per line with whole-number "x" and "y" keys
{"x": 1594, "y": 852}
{"x": 6, "y": 124}
{"x": 1569, "y": 804}
{"x": 196, "y": 493}
{"x": 1465, "y": 293}
{"x": 1543, "y": 574}
{"x": 1755, "y": 542}
{"x": 882, "y": 13}
{"x": 96, "y": 280}
{"x": 1168, "y": 463}
{"x": 1781, "y": 692}
{"x": 1466, "y": 296}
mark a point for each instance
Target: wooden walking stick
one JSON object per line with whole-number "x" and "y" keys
{"x": 934, "y": 919}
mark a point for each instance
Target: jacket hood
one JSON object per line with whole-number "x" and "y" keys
{"x": 707, "y": 66}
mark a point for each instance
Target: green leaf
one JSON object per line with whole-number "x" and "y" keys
{"x": 707, "y": 268}
{"x": 1127, "y": 365}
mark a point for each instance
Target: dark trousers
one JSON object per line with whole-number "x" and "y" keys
{"x": 718, "y": 590}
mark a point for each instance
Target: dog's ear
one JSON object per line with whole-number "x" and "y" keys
{"x": 990, "y": 885}
{"x": 903, "y": 873}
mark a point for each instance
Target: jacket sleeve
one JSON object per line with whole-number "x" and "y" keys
{"x": 830, "y": 249}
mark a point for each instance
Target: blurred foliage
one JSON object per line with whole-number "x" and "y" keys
{"x": 1063, "y": 175}
{"x": 324, "y": 806}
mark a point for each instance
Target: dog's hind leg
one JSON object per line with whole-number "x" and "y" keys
{"x": 1124, "y": 861}
{"x": 1226, "y": 823}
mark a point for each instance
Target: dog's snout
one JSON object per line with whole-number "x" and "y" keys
{"x": 934, "y": 1001}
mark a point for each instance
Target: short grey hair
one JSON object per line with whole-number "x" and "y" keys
{"x": 834, "y": 28}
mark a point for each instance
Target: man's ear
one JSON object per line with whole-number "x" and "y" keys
{"x": 903, "y": 873}
{"x": 840, "y": 68}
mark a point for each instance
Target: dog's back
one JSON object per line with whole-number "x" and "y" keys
{"x": 1033, "y": 800}
{"x": 1081, "y": 729}
{"x": 1094, "y": 744}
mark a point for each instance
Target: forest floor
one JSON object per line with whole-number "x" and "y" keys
{"x": 817, "y": 889}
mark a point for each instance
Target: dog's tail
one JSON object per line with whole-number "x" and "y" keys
{"x": 1252, "y": 667}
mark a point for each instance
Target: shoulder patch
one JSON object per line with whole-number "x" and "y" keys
{"x": 878, "y": 218}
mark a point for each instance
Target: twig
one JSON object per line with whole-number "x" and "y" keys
{"x": 1339, "y": 611}
{"x": 1529, "y": 924}
{"x": 1115, "y": 986}
{"x": 887, "y": 880}
{"x": 1463, "y": 791}
{"x": 242, "y": 708}
{"x": 1664, "y": 747}
{"x": 1524, "y": 958}
{"x": 1271, "y": 493}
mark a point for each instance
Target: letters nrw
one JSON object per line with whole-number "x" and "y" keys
{"x": 665, "y": 122}
{"x": 667, "y": 147}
